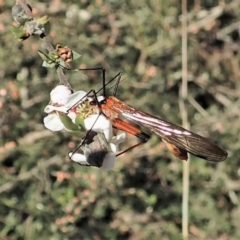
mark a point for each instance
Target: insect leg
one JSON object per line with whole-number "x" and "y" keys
{"x": 126, "y": 127}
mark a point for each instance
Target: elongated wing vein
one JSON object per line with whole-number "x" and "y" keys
{"x": 180, "y": 137}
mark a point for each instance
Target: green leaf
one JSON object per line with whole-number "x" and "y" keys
{"x": 80, "y": 122}
{"x": 67, "y": 122}
{"x": 43, "y": 20}
{"x": 48, "y": 65}
{"x": 77, "y": 133}
{"x": 49, "y": 60}
{"x": 75, "y": 55}
{"x": 20, "y": 33}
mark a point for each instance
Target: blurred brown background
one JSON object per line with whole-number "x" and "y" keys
{"x": 45, "y": 196}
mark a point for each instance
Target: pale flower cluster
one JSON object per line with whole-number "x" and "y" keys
{"x": 61, "y": 104}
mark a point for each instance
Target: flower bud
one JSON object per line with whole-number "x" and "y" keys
{"x": 59, "y": 95}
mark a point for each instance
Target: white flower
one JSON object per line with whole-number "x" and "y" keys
{"x": 62, "y": 115}
{"x": 62, "y": 100}
{"x": 109, "y": 159}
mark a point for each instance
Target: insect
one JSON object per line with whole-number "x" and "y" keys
{"x": 178, "y": 140}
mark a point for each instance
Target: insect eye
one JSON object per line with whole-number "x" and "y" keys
{"x": 93, "y": 102}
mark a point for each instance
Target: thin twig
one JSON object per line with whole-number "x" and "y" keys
{"x": 184, "y": 115}
{"x": 46, "y": 45}
{"x": 25, "y": 7}
{"x": 197, "y": 106}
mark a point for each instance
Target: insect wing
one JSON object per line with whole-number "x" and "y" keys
{"x": 178, "y": 136}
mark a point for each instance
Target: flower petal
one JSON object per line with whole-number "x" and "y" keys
{"x": 50, "y": 108}
{"x": 75, "y": 98}
{"x": 114, "y": 147}
{"x": 53, "y": 123}
{"x": 108, "y": 162}
{"x": 72, "y": 115}
{"x": 60, "y": 94}
{"x": 100, "y": 98}
{"x": 99, "y": 123}
{"x": 116, "y": 140}
{"x": 77, "y": 157}
{"x": 119, "y": 138}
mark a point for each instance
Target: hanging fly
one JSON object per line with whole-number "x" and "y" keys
{"x": 178, "y": 140}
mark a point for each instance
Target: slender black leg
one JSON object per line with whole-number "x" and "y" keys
{"x": 84, "y": 139}
{"x": 128, "y": 128}
{"x": 110, "y": 81}
{"x": 80, "y": 100}
{"x": 117, "y": 84}
{"x": 143, "y": 140}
